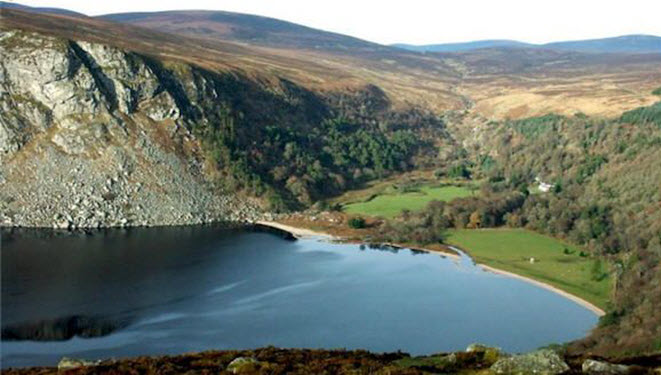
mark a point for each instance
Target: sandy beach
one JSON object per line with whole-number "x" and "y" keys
{"x": 296, "y": 232}
{"x": 550, "y": 287}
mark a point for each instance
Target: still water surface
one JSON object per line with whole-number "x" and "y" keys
{"x": 175, "y": 290}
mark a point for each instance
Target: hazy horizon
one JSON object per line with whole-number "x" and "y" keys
{"x": 421, "y": 22}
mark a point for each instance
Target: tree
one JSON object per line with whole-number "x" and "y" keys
{"x": 357, "y": 222}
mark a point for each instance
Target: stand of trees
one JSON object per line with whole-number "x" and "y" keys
{"x": 295, "y": 147}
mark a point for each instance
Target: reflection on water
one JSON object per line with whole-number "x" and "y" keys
{"x": 63, "y": 328}
{"x": 172, "y": 290}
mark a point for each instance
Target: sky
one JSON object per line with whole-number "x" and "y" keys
{"x": 423, "y": 21}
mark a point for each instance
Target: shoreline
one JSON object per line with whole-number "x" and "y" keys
{"x": 588, "y": 305}
{"x": 295, "y": 231}
{"x": 308, "y": 233}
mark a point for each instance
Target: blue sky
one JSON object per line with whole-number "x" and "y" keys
{"x": 424, "y": 21}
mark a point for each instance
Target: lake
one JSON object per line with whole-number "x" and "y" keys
{"x": 175, "y": 290}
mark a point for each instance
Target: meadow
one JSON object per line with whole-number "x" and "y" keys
{"x": 391, "y": 202}
{"x": 557, "y": 263}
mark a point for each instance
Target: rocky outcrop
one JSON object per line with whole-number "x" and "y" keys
{"x": 72, "y": 363}
{"x": 243, "y": 365}
{"x": 92, "y": 136}
{"x": 593, "y": 367}
{"x": 543, "y": 362}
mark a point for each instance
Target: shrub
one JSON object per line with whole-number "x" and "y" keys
{"x": 611, "y": 318}
{"x": 357, "y": 223}
{"x": 459, "y": 171}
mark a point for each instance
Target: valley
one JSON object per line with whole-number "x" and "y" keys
{"x": 542, "y": 161}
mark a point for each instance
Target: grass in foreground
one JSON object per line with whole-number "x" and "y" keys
{"x": 511, "y": 250}
{"x": 391, "y": 203}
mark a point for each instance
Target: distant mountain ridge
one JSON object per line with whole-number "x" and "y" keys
{"x": 60, "y": 11}
{"x": 460, "y": 47}
{"x": 273, "y": 32}
{"x": 619, "y": 44}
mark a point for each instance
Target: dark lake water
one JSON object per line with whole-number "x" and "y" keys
{"x": 175, "y": 290}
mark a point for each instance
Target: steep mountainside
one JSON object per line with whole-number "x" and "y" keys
{"x": 111, "y": 137}
{"x": 89, "y": 137}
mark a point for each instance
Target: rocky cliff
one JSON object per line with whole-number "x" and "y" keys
{"x": 92, "y": 136}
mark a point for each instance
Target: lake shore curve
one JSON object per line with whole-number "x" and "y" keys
{"x": 308, "y": 233}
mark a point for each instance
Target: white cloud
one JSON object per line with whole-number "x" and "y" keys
{"x": 423, "y": 22}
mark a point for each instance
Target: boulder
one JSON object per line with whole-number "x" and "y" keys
{"x": 475, "y": 347}
{"x": 542, "y": 362}
{"x": 490, "y": 354}
{"x": 593, "y": 367}
{"x": 69, "y": 363}
{"x": 243, "y": 365}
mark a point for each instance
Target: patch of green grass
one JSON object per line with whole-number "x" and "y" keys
{"x": 657, "y": 92}
{"x": 391, "y": 204}
{"x": 511, "y": 250}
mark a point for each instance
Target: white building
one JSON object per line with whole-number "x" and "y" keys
{"x": 543, "y": 186}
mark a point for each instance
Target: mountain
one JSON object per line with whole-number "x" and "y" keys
{"x": 459, "y": 47}
{"x": 433, "y": 78}
{"x": 621, "y": 44}
{"x": 65, "y": 12}
{"x": 245, "y": 28}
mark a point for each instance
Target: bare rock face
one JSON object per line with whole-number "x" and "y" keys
{"x": 92, "y": 136}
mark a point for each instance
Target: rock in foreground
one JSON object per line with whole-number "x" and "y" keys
{"x": 543, "y": 362}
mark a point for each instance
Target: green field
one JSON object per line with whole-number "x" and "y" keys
{"x": 391, "y": 204}
{"x": 511, "y": 250}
